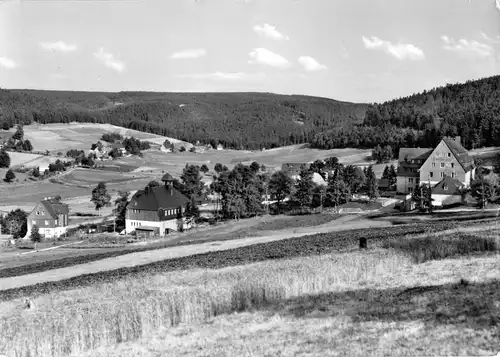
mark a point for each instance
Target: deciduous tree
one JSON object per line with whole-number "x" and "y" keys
{"x": 9, "y": 176}
{"x": 280, "y": 186}
{"x": 100, "y": 196}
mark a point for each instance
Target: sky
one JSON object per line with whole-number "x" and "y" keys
{"x": 351, "y": 50}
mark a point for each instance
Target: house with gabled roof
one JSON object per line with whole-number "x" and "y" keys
{"x": 51, "y": 216}
{"x": 448, "y": 158}
{"x": 157, "y": 210}
{"x": 446, "y": 192}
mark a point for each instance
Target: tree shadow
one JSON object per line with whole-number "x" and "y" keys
{"x": 475, "y": 305}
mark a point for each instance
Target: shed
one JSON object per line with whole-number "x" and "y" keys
{"x": 146, "y": 231}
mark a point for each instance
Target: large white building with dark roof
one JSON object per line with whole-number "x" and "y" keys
{"x": 448, "y": 159}
{"x": 157, "y": 210}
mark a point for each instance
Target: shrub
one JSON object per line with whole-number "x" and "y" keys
{"x": 9, "y": 176}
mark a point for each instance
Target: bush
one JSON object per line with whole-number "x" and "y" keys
{"x": 9, "y": 176}
{"x": 4, "y": 159}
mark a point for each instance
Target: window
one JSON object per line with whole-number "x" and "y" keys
{"x": 442, "y": 174}
{"x": 452, "y": 165}
{"x": 442, "y": 164}
{"x": 46, "y": 223}
{"x": 412, "y": 161}
{"x": 445, "y": 188}
{"x": 410, "y": 190}
{"x": 33, "y": 222}
{"x": 433, "y": 164}
{"x": 453, "y": 174}
{"x": 410, "y": 180}
{"x": 431, "y": 174}
{"x": 449, "y": 154}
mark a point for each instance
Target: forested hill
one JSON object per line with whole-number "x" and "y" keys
{"x": 471, "y": 110}
{"x": 237, "y": 120}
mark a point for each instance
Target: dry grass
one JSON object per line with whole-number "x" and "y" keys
{"x": 357, "y": 303}
{"x": 107, "y": 314}
{"x": 435, "y": 248}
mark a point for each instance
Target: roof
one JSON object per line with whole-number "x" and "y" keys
{"x": 461, "y": 154}
{"x": 414, "y": 154}
{"x": 146, "y": 228}
{"x": 318, "y": 179}
{"x": 156, "y": 198}
{"x": 447, "y": 186}
{"x": 55, "y": 208}
{"x": 116, "y": 145}
{"x": 383, "y": 183}
{"x": 167, "y": 177}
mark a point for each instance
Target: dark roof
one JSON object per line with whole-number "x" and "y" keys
{"x": 414, "y": 154}
{"x": 156, "y": 198}
{"x": 383, "y": 183}
{"x": 55, "y": 208}
{"x": 447, "y": 186}
{"x": 116, "y": 145}
{"x": 167, "y": 177}
{"x": 147, "y": 228}
{"x": 461, "y": 154}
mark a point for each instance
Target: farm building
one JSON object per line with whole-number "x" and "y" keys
{"x": 449, "y": 158}
{"x": 157, "y": 210}
{"x": 50, "y": 216}
{"x": 220, "y": 147}
{"x": 293, "y": 168}
{"x": 448, "y": 191}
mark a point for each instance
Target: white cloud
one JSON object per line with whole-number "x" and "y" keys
{"x": 469, "y": 49}
{"x": 488, "y": 38}
{"x": 225, "y": 76}
{"x": 401, "y": 51}
{"x": 497, "y": 2}
{"x": 58, "y": 46}
{"x": 310, "y": 64}
{"x": 190, "y": 53}
{"x": 269, "y": 31}
{"x": 109, "y": 60}
{"x": 266, "y": 57}
{"x": 7, "y": 63}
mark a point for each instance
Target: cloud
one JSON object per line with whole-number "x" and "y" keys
{"x": 310, "y": 64}
{"x": 268, "y": 58}
{"x": 58, "y": 46}
{"x": 269, "y": 31}
{"x": 469, "y": 49}
{"x": 189, "y": 53}
{"x": 7, "y": 63}
{"x": 400, "y": 51}
{"x": 109, "y": 60}
{"x": 225, "y": 76}
{"x": 487, "y": 38}
{"x": 497, "y": 3}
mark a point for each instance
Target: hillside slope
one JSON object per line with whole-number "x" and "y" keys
{"x": 470, "y": 110}
{"x": 238, "y": 120}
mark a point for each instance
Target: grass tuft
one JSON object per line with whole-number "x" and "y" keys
{"x": 432, "y": 247}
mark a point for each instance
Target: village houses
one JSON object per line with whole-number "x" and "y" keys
{"x": 157, "y": 210}
{"x": 50, "y": 216}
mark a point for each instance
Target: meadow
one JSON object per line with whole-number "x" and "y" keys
{"x": 343, "y": 302}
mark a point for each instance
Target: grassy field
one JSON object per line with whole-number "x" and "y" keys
{"x": 350, "y": 303}
{"x": 63, "y": 137}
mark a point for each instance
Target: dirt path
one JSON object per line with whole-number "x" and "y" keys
{"x": 141, "y": 258}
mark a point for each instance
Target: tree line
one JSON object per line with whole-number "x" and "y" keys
{"x": 258, "y": 120}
